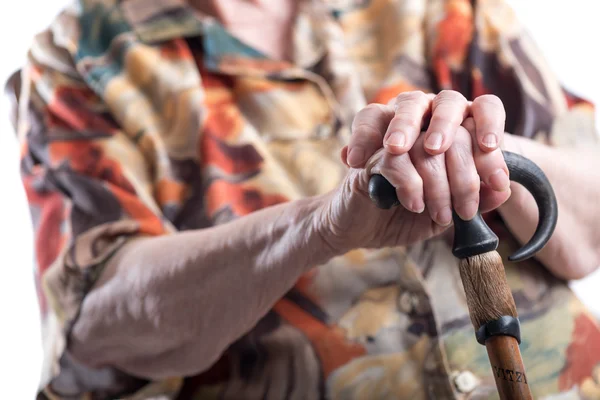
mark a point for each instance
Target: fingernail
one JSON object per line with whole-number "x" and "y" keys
{"x": 434, "y": 141}
{"x": 356, "y": 156}
{"x": 490, "y": 141}
{"x": 467, "y": 211}
{"x": 444, "y": 216}
{"x": 499, "y": 180}
{"x": 417, "y": 206}
{"x": 396, "y": 139}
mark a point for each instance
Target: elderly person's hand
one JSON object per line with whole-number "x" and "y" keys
{"x": 434, "y": 171}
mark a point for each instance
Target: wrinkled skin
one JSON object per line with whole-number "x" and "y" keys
{"x": 455, "y": 163}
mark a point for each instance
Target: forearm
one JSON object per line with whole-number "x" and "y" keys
{"x": 158, "y": 297}
{"x": 574, "y": 250}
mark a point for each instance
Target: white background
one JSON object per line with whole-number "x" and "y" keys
{"x": 568, "y": 33}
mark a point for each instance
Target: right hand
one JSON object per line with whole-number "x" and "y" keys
{"x": 454, "y": 164}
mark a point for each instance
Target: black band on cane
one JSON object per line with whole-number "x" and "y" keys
{"x": 503, "y": 326}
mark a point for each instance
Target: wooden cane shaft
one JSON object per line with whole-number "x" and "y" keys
{"x": 507, "y": 366}
{"x": 489, "y": 299}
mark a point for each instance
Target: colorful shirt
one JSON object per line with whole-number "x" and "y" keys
{"x": 143, "y": 117}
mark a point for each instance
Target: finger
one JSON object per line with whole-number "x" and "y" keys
{"x": 469, "y": 125}
{"x": 448, "y": 110}
{"x": 490, "y": 165}
{"x": 489, "y": 116}
{"x": 344, "y": 155}
{"x": 490, "y": 199}
{"x": 368, "y": 128}
{"x": 436, "y": 189}
{"x": 401, "y": 173}
{"x": 405, "y": 127}
{"x": 462, "y": 175}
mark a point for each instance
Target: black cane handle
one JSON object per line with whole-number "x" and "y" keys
{"x": 474, "y": 236}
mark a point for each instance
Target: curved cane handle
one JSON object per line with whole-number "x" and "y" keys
{"x": 474, "y": 236}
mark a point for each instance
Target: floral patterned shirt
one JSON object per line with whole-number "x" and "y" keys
{"x": 144, "y": 117}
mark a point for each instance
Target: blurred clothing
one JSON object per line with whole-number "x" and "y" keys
{"x": 143, "y": 117}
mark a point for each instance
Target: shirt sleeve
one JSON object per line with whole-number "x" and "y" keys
{"x": 88, "y": 186}
{"x": 502, "y": 58}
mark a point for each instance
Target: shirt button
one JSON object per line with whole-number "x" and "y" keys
{"x": 323, "y": 131}
{"x": 465, "y": 381}
{"x": 408, "y": 302}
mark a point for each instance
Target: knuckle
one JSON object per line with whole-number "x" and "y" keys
{"x": 365, "y": 128}
{"x": 370, "y": 119}
{"x": 402, "y": 170}
{"x": 372, "y": 108}
{"x": 416, "y": 97}
{"x": 406, "y": 118}
{"x": 472, "y": 184}
{"x": 432, "y": 165}
{"x": 463, "y": 154}
{"x": 468, "y": 187}
{"x": 369, "y": 113}
{"x": 446, "y": 118}
{"x": 488, "y": 101}
{"x": 410, "y": 185}
{"x": 450, "y": 96}
{"x": 449, "y": 109}
{"x": 412, "y": 95}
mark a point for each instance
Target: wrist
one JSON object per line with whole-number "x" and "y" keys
{"x": 330, "y": 234}
{"x": 513, "y": 144}
{"x": 321, "y": 243}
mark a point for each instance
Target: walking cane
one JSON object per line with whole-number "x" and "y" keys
{"x": 489, "y": 299}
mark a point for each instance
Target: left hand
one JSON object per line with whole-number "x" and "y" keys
{"x": 457, "y": 161}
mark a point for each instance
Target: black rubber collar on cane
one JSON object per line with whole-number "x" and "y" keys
{"x": 503, "y": 326}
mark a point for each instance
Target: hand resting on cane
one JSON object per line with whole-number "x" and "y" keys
{"x": 574, "y": 249}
